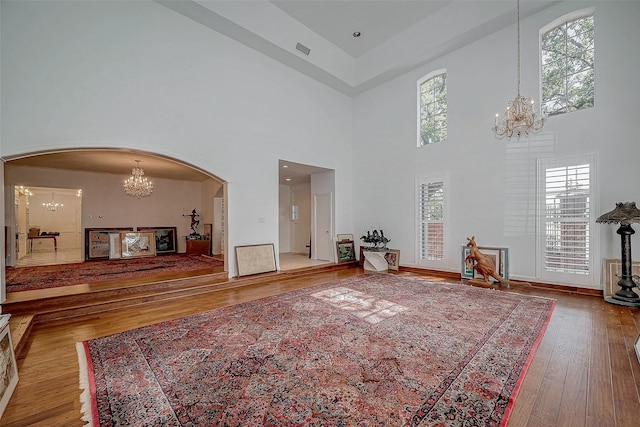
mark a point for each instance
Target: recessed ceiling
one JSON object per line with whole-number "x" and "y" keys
{"x": 296, "y": 173}
{"x": 377, "y": 21}
{"x": 113, "y": 162}
{"x": 396, "y": 35}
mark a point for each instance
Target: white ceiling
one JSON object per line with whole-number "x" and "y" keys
{"x": 396, "y": 35}
{"x": 113, "y": 162}
{"x": 377, "y": 21}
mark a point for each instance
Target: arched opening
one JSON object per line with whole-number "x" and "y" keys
{"x": 99, "y": 174}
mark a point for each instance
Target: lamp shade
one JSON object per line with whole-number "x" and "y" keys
{"x": 624, "y": 213}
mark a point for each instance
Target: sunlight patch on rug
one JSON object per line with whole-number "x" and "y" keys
{"x": 366, "y": 307}
{"x": 372, "y": 350}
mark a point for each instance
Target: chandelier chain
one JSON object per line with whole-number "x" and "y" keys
{"x": 518, "y": 47}
{"x": 520, "y": 118}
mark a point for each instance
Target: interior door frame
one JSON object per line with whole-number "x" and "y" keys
{"x": 316, "y": 231}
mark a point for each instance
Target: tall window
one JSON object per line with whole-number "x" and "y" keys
{"x": 432, "y": 108}
{"x": 567, "y": 214}
{"x": 568, "y": 76}
{"x": 431, "y": 218}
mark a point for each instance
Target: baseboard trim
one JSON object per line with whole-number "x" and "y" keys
{"x": 549, "y": 286}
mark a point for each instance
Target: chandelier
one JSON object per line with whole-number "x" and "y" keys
{"x": 520, "y": 117}
{"x": 136, "y": 185}
{"x": 53, "y": 206}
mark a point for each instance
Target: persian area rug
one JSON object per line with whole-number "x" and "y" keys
{"x": 373, "y": 350}
{"x": 51, "y": 276}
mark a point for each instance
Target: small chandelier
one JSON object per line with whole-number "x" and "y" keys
{"x": 520, "y": 117}
{"x": 136, "y": 185}
{"x": 53, "y": 206}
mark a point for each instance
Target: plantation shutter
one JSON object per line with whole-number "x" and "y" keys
{"x": 567, "y": 213}
{"x": 431, "y": 207}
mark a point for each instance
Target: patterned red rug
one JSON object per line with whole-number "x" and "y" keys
{"x": 51, "y": 276}
{"x": 374, "y": 350}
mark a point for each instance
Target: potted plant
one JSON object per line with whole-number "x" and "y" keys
{"x": 376, "y": 240}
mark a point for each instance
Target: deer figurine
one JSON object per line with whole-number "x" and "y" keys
{"x": 483, "y": 264}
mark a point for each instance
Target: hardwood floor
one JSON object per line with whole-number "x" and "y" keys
{"x": 585, "y": 371}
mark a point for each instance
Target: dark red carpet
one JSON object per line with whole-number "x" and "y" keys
{"x": 51, "y": 276}
{"x": 374, "y": 350}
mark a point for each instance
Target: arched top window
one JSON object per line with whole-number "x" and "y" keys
{"x": 432, "y": 108}
{"x": 567, "y": 63}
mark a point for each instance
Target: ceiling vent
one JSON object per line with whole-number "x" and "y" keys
{"x": 302, "y": 48}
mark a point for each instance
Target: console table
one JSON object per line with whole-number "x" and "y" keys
{"x": 44, "y": 236}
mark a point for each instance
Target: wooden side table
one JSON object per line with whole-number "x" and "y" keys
{"x": 198, "y": 247}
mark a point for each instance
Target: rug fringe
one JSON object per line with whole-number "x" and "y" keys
{"x": 85, "y": 395}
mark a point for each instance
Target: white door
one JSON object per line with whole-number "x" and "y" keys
{"x": 322, "y": 243}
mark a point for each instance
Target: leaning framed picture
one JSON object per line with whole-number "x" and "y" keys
{"x": 137, "y": 244}
{"x": 207, "y": 231}
{"x": 346, "y": 251}
{"x": 499, "y": 256}
{"x": 97, "y": 243}
{"x": 393, "y": 259}
{"x": 254, "y": 259}
{"x": 344, "y": 237}
{"x": 8, "y": 368}
{"x": 165, "y": 238}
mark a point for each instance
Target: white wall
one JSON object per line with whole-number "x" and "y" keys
{"x": 61, "y": 221}
{"x": 138, "y": 75}
{"x": 488, "y": 177}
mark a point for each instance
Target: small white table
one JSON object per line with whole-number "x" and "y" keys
{"x": 375, "y": 261}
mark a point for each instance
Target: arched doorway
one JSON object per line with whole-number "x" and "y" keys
{"x": 99, "y": 173}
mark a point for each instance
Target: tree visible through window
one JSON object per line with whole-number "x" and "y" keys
{"x": 568, "y": 76}
{"x": 432, "y": 109}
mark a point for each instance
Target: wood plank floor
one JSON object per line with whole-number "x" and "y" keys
{"x": 585, "y": 372}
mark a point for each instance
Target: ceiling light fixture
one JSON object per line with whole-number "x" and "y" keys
{"x": 136, "y": 185}
{"x": 53, "y": 206}
{"x": 520, "y": 117}
{"x": 356, "y": 34}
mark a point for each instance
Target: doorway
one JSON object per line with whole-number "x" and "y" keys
{"x": 48, "y": 225}
{"x": 299, "y": 216}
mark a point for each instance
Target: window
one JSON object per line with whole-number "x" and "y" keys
{"x": 432, "y": 108}
{"x": 566, "y": 216}
{"x": 568, "y": 76}
{"x": 431, "y": 203}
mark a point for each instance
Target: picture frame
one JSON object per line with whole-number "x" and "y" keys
{"x": 255, "y": 259}
{"x": 97, "y": 243}
{"x": 165, "y": 238}
{"x": 137, "y": 244}
{"x": 207, "y": 230}
{"x": 500, "y": 257}
{"x": 393, "y": 259}
{"x": 344, "y": 237}
{"x": 114, "y": 246}
{"x": 346, "y": 251}
{"x": 612, "y": 270}
{"x": 8, "y": 368}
